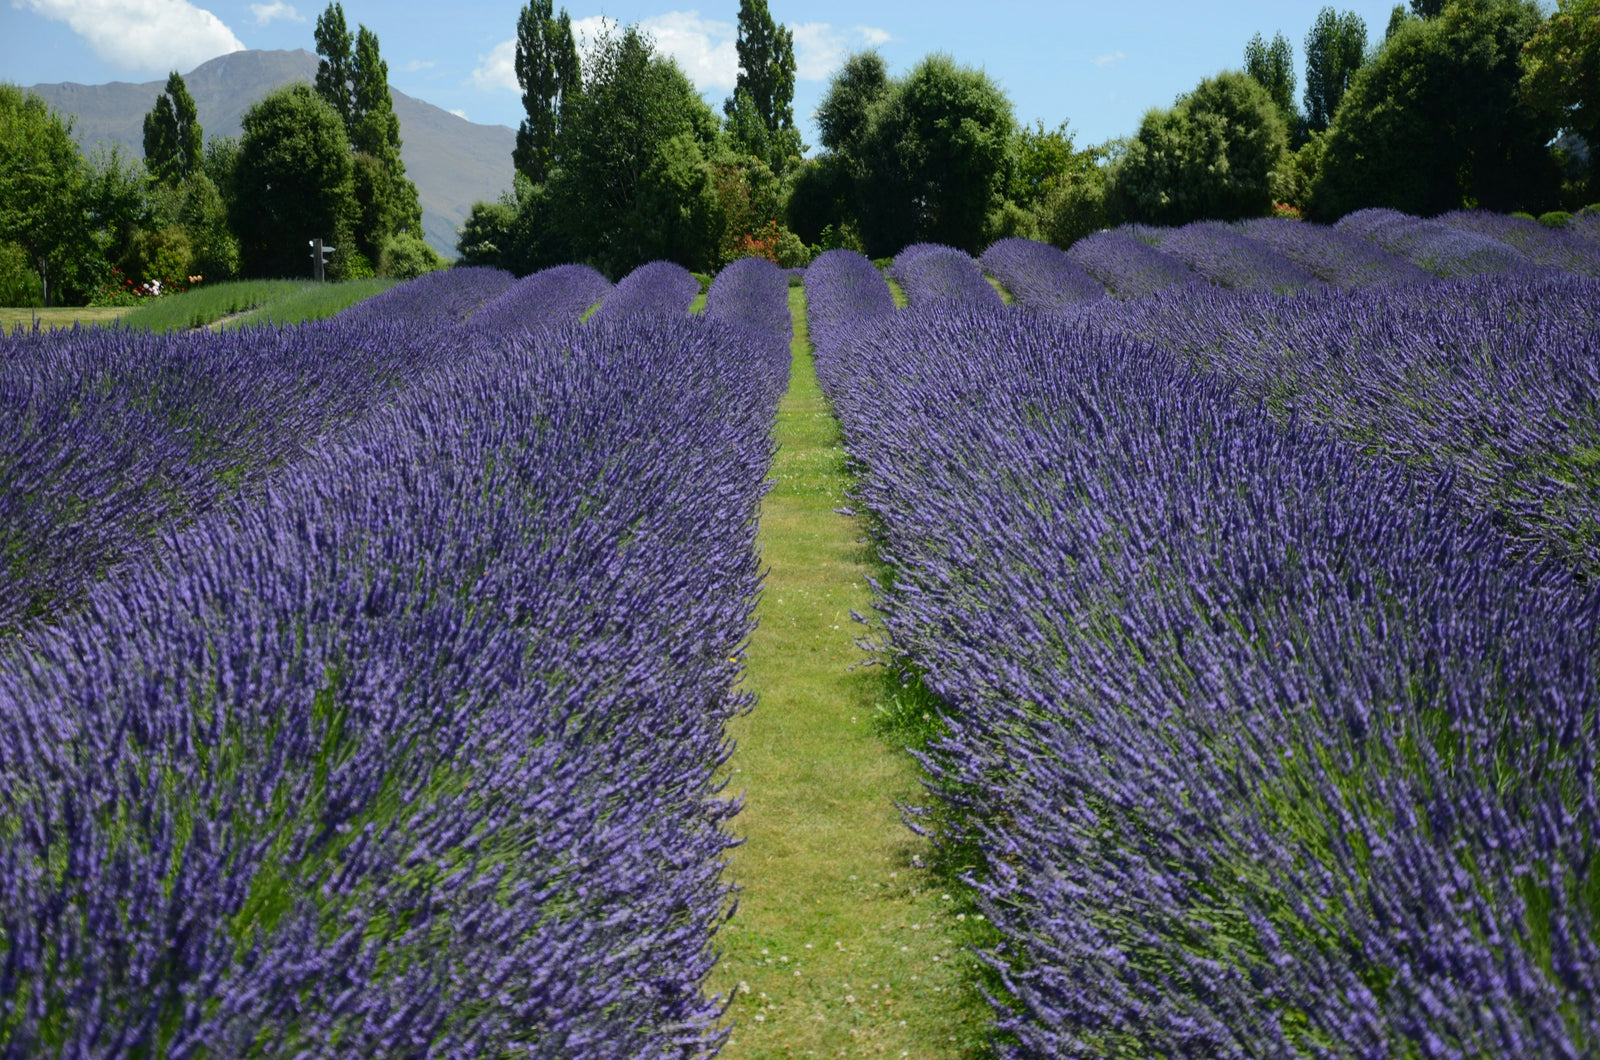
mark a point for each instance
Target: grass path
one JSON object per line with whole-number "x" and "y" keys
{"x": 840, "y": 947}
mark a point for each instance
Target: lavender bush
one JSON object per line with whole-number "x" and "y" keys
{"x": 447, "y": 295}
{"x": 753, "y": 293}
{"x": 1493, "y": 378}
{"x": 110, "y": 436}
{"x": 929, "y": 272}
{"x": 844, "y": 293}
{"x": 557, "y": 295}
{"x": 1270, "y": 746}
{"x": 1439, "y": 248}
{"x": 1333, "y": 255}
{"x": 1040, "y": 276}
{"x": 1556, "y": 248}
{"x": 1228, "y": 259}
{"x": 1127, "y": 267}
{"x": 660, "y": 288}
{"x": 414, "y": 756}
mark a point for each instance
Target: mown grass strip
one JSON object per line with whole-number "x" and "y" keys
{"x": 57, "y": 317}
{"x": 842, "y": 944}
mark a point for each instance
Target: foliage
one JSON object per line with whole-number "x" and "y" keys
{"x": 487, "y": 234}
{"x": 293, "y": 182}
{"x": 172, "y": 135}
{"x": 19, "y": 281}
{"x": 749, "y": 200}
{"x": 336, "y": 68}
{"x": 551, "y": 77}
{"x": 42, "y": 184}
{"x": 1335, "y": 49}
{"x": 1436, "y": 122}
{"x": 617, "y": 165}
{"x": 761, "y": 110}
{"x": 843, "y": 117}
{"x": 1273, "y": 66}
{"x": 1561, "y": 67}
{"x": 1215, "y": 155}
{"x": 934, "y": 160}
{"x": 406, "y": 256}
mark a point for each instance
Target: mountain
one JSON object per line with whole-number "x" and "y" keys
{"x": 453, "y": 162}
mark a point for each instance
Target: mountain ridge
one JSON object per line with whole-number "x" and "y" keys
{"x": 454, "y": 162}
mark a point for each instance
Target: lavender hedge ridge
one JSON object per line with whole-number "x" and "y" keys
{"x": 929, "y": 272}
{"x": 1040, "y": 276}
{"x": 1230, "y": 706}
{"x": 560, "y": 294}
{"x": 1128, "y": 267}
{"x": 660, "y": 288}
{"x": 413, "y": 755}
{"x": 1333, "y": 255}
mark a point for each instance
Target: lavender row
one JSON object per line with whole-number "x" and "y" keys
{"x": 445, "y": 296}
{"x": 1226, "y": 258}
{"x": 753, "y": 293}
{"x": 414, "y": 756}
{"x": 1493, "y": 378}
{"x": 1271, "y": 748}
{"x": 1556, "y": 248}
{"x": 1433, "y": 245}
{"x": 845, "y": 293}
{"x": 659, "y": 288}
{"x": 1333, "y": 255}
{"x": 1040, "y": 276}
{"x": 560, "y": 294}
{"x": 109, "y": 436}
{"x": 930, "y": 272}
{"x": 1128, "y": 267}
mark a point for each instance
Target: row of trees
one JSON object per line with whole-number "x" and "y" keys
{"x": 619, "y": 161}
{"x": 312, "y": 161}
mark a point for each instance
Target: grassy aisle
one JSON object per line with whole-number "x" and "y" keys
{"x": 840, "y": 947}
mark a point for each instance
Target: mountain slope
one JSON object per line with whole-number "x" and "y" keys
{"x": 454, "y": 162}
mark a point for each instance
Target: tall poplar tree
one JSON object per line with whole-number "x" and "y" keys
{"x": 550, "y": 76}
{"x": 354, "y": 79}
{"x": 1335, "y": 48}
{"x": 174, "y": 148}
{"x": 1273, "y": 66}
{"x": 761, "y": 109}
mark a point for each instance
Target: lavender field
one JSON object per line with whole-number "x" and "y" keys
{"x": 364, "y": 685}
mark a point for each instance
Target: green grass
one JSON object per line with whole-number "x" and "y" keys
{"x": 58, "y": 317}
{"x": 315, "y": 301}
{"x": 897, "y": 292}
{"x": 842, "y": 943}
{"x": 209, "y": 303}
{"x": 1000, "y": 289}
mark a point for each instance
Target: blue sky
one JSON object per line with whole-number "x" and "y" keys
{"x": 1098, "y": 66}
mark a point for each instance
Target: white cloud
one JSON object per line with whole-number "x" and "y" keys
{"x": 498, "y": 69}
{"x": 275, "y": 11}
{"x": 143, "y": 35}
{"x": 461, "y": 114}
{"x": 417, "y": 65}
{"x": 704, "y": 48}
{"x": 819, "y": 48}
{"x": 1103, "y": 61}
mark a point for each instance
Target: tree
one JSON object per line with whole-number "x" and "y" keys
{"x": 172, "y": 136}
{"x": 549, "y": 73}
{"x": 335, "y": 70}
{"x": 1437, "y": 122}
{"x": 353, "y": 78}
{"x": 934, "y": 159}
{"x": 1273, "y": 66}
{"x": 1216, "y": 155}
{"x": 1427, "y": 8}
{"x": 1335, "y": 48}
{"x": 633, "y": 103}
{"x": 292, "y": 181}
{"x": 1561, "y": 67}
{"x": 845, "y": 113}
{"x": 42, "y": 184}
{"x": 761, "y": 108}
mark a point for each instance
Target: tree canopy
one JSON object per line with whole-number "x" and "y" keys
{"x": 761, "y": 109}
{"x": 1273, "y": 66}
{"x": 1215, "y": 155}
{"x": 1335, "y": 49}
{"x": 1437, "y": 122}
{"x": 293, "y": 181}
{"x": 551, "y": 78}
{"x": 173, "y": 140}
{"x": 42, "y": 184}
{"x": 1561, "y": 64}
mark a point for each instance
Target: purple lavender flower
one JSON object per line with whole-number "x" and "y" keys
{"x": 1040, "y": 276}
{"x": 1127, "y": 267}
{"x": 660, "y": 288}
{"x": 1439, "y": 248}
{"x": 1333, "y": 255}
{"x": 557, "y": 295}
{"x": 929, "y": 272}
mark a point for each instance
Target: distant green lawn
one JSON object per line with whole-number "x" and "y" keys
{"x": 233, "y": 304}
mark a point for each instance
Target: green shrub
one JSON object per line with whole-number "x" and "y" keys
{"x": 406, "y": 256}
{"x": 1555, "y": 219}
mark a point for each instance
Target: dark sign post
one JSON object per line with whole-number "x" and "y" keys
{"x": 319, "y": 258}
